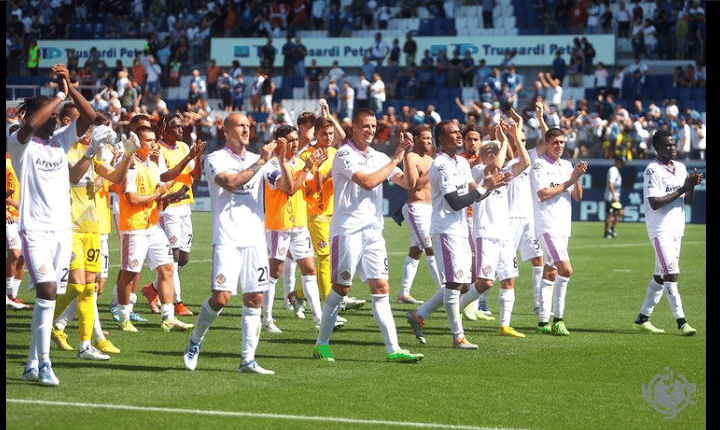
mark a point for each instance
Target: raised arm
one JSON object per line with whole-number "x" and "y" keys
{"x": 232, "y": 181}
{"x": 368, "y": 181}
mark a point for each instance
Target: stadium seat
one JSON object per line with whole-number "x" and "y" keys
{"x": 698, "y": 93}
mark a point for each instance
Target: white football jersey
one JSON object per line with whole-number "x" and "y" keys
{"x": 553, "y": 215}
{"x": 42, "y": 169}
{"x": 660, "y": 180}
{"x": 448, "y": 174}
{"x": 613, "y": 177}
{"x": 519, "y": 193}
{"x": 354, "y": 207}
{"x": 239, "y": 216}
{"x": 491, "y": 215}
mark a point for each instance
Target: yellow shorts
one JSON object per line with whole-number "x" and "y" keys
{"x": 319, "y": 228}
{"x": 86, "y": 253}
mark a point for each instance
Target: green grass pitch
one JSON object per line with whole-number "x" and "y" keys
{"x": 592, "y": 379}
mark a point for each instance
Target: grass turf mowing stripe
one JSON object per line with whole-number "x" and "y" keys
{"x": 250, "y": 415}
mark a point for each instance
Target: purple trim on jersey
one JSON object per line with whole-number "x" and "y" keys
{"x": 447, "y": 261}
{"x": 478, "y": 255}
{"x": 413, "y": 225}
{"x": 659, "y": 253}
{"x": 273, "y": 242}
{"x": 334, "y": 258}
{"x": 554, "y": 255}
{"x": 28, "y": 261}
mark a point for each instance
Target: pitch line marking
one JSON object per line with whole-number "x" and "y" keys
{"x": 249, "y": 415}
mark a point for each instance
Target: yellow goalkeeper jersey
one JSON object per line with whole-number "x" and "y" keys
{"x": 284, "y": 212}
{"x": 11, "y": 183}
{"x": 83, "y": 204}
{"x": 319, "y": 197}
{"x": 142, "y": 179}
{"x": 173, "y": 155}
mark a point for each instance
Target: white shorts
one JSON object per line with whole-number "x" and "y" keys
{"x": 178, "y": 229}
{"x": 296, "y": 241}
{"x": 137, "y": 245}
{"x": 12, "y": 236}
{"x": 246, "y": 265}
{"x": 667, "y": 255}
{"x": 105, "y": 256}
{"x": 47, "y": 257}
{"x": 363, "y": 252}
{"x": 524, "y": 239}
{"x": 554, "y": 247}
{"x": 418, "y": 218}
{"x": 495, "y": 259}
{"x": 454, "y": 258}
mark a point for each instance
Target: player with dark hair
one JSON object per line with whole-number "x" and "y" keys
{"x": 667, "y": 188}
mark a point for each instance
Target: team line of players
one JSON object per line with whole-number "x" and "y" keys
{"x": 483, "y": 198}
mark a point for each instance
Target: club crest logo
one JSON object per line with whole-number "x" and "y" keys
{"x": 458, "y": 274}
{"x": 322, "y": 244}
{"x": 173, "y": 240}
{"x": 487, "y": 270}
{"x": 134, "y": 264}
{"x": 345, "y": 275}
{"x": 669, "y": 392}
{"x": 220, "y": 279}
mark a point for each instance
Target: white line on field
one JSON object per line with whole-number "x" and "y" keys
{"x": 340, "y": 420}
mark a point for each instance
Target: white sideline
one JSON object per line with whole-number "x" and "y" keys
{"x": 248, "y": 414}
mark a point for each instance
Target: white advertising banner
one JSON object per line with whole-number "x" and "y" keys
{"x": 530, "y": 50}
{"x": 109, "y": 50}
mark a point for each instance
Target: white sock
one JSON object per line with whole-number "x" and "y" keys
{"x": 250, "y": 333}
{"x": 133, "y": 298}
{"x": 451, "y": 301}
{"x": 559, "y": 292}
{"x": 206, "y": 317}
{"x": 546, "y": 293}
{"x": 674, "y": 298}
{"x": 433, "y": 269}
{"x": 114, "y": 301}
{"x": 268, "y": 299}
{"x": 408, "y": 275}
{"x": 124, "y": 311}
{"x": 8, "y": 285}
{"x": 384, "y": 319}
{"x": 470, "y": 297}
{"x": 288, "y": 275}
{"x": 176, "y": 283}
{"x": 16, "y": 286}
{"x": 507, "y": 301}
{"x": 312, "y": 294}
{"x": 167, "y": 311}
{"x": 42, "y": 320}
{"x": 652, "y": 297}
{"x": 68, "y": 314}
{"x": 537, "y": 272}
{"x": 83, "y": 345}
{"x": 330, "y": 309}
{"x": 432, "y": 304}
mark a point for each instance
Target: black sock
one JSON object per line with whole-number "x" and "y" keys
{"x": 557, "y": 319}
{"x": 680, "y": 322}
{"x": 641, "y": 319}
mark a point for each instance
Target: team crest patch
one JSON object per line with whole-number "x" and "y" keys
{"x": 13, "y": 241}
{"x": 282, "y": 251}
{"x": 72, "y": 256}
{"x": 42, "y": 270}
{"x": 173, "y": 240}
{"x": 345, "y": 275}
{"x": 487, "y": 270}
{"x": 322, "y": 244}
{"x": 134, "y": 264}
{"x": 459, "y": 274}
{"x": 220, "y": 279}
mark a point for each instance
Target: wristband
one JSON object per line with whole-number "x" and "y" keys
{"x": 61, "y": 95}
